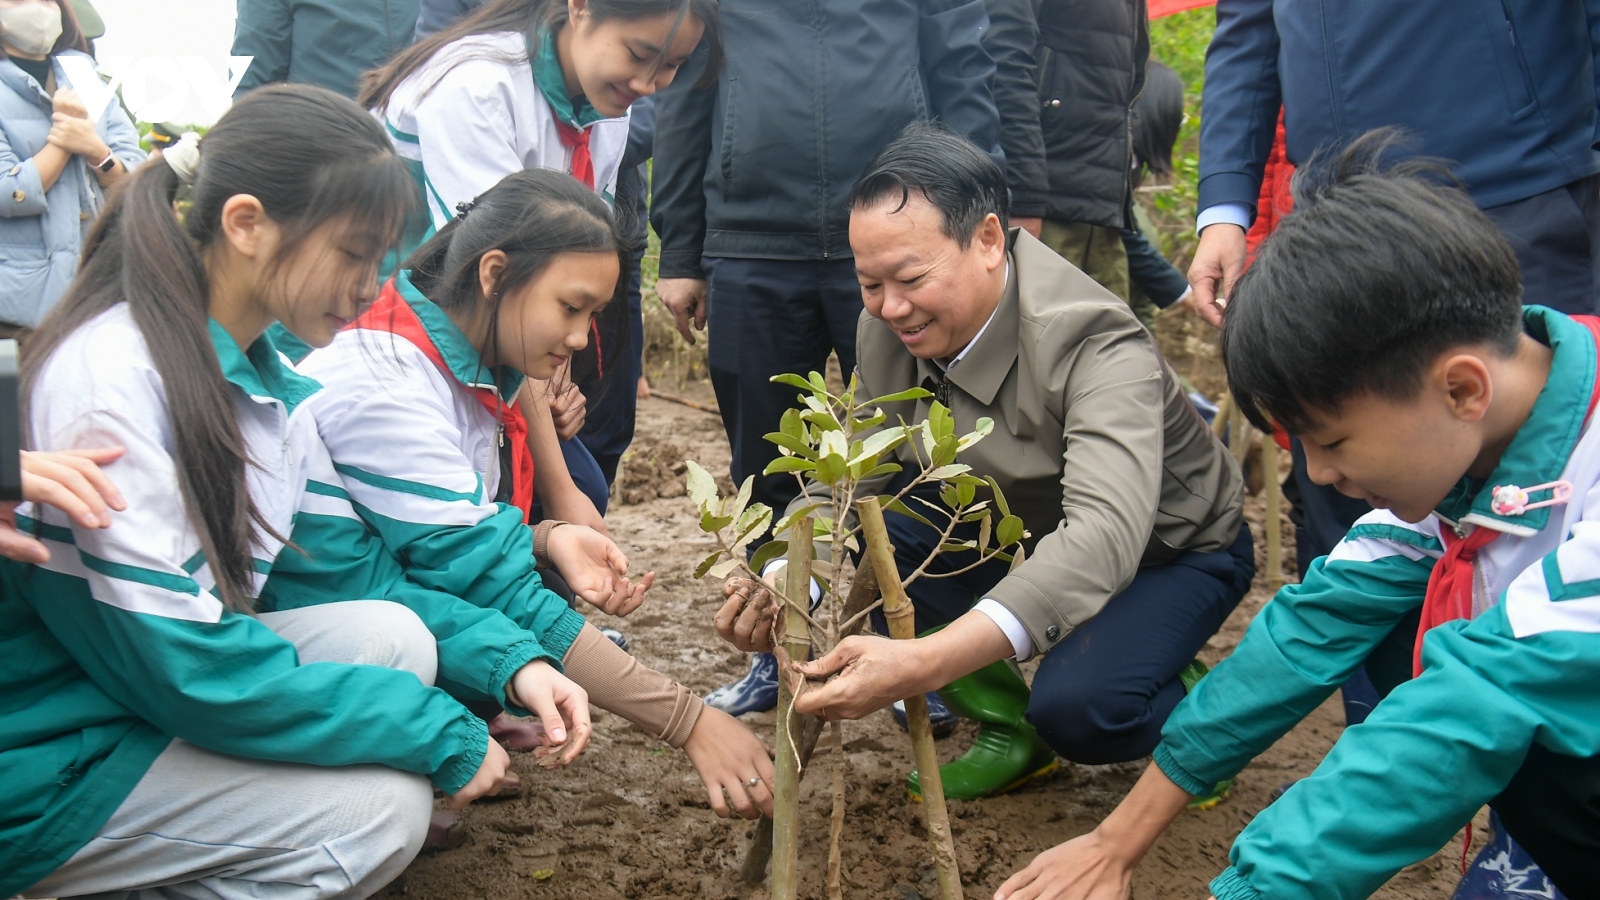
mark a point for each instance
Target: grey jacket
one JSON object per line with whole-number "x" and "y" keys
{"x": 1095, "y": 443}
{"x": 760, "y": 167}
{"x": 42, "y": 232}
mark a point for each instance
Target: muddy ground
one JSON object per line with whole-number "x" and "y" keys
{"x": 630, "y": 819}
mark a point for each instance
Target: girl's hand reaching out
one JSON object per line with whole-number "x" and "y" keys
{"x": 596, "y": 570}
{"x": 69, "y": 480}
{"x": 728, "y": 757}
{"x": 560, "y": 704}
{"x": 491, "y": 772}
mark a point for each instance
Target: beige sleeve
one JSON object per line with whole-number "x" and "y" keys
{"x": 619, "y": 684}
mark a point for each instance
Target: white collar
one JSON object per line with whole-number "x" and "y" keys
{"x": 979, "y": 336}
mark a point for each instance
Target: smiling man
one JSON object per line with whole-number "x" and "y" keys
{"x": 1138, "y": 549}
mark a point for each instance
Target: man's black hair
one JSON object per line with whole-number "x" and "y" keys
{"x": 960, "y": 180}
{"x": 1379, "y": 269}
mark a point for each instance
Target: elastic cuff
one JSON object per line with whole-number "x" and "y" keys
{"x": 558, "y": 639}
{"x": 511, "y": 662}
{"x": 541, "y": 539}
{"x": 1180, "y": 776}
{"x": 465, "y": 764}
{"x": 1230, "y": 885}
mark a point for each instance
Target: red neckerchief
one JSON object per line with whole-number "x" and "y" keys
{"x": 392, "y": 314}
{"x": 1449, "y": 594}
{"x": 578, "y": 140}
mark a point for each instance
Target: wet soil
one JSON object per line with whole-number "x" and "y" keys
{"x": 630, "y": 819}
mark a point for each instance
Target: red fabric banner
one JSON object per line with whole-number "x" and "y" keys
{"x": 1159, "y": 8}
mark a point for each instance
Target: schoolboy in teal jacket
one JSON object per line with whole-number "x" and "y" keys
{"x": 1382, "y": 324}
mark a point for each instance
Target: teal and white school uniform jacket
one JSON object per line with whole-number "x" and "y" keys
{"x": 1525, "y": 670}
{"x": 118, "y": 644}
{"x": 481, "y": 109}
{"x": 419, "y": 455}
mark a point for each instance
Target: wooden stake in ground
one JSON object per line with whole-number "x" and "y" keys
{"x": 863, "y": 593}
{"x": 898, "y": 611}
{"x": 795, "y": 647}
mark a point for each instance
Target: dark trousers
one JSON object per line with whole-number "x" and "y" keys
{"x": 586, "y": 476}
{"x": 1102, "y": 694}
{"x": 614, "y": 395}
{"x": 1556, "y": 236}
{"x": 768, "y": 317}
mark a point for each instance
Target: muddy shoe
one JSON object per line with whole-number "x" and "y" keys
{"x": 1007, "y": 751}
{"x": 517, "y": 734}
{"x": 445, "y": 830}
{"x": 755, "y": 692}
{"x": 939, "y": 716}
{"x": 616, "y": 637}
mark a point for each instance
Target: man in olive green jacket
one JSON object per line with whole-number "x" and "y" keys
{"x": 1137, "y": 549}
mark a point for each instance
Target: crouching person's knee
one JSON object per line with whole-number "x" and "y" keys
{"x": 383, "y": 817}
{"x": 390, "y": 635}
{"x": 1093, "y": 724}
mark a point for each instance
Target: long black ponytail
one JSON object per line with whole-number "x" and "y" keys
{"x": 308, "y": 155}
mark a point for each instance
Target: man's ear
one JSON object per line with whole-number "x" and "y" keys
{"x": 991, "y": 238}
{"x": 247, "y": 227}
{"x": 1467, "y": 384}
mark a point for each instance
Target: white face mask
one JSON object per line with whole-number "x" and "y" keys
{"x": 32, "y": 28}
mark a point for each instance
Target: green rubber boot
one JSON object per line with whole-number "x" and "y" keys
{"x": 1190, "y": 676}
{"x": 1007, "y": 752}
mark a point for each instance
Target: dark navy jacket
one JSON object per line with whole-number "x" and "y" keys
{"x": 1506, "y": 89}
{"x": 760, "y": 167}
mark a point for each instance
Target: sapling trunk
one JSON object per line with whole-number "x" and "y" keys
{"x": 897, "y": 609}
{"x": 795, "y": 646}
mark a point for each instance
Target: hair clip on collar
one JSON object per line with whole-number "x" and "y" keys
{"x": 1511, "y": 500}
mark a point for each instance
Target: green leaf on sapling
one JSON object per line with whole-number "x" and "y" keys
{"x": 1009, "y": 531}
{"x": 881, "y": 442}
{"x": 872, "y": 421}
{"x": 945, "y": 473}
{"x": 884, "y": 469}
{"x": 949, "y": 496}
{"x": 701, "y": 486}
{"x": 736, "y": 508}
{"x": 894, "y": 505}
{"x": 711, "y": 523}
{"x": 792, "y": 444}
{"x": 788, "y": 520}
{"x": 915, "y": 393}
{"x": 944, "y": 452}
{"x": 985, "y": 530}
{"x": 706, "y": 564}
{"x": 966, "y": 491}
{"x": 768, "y": 552}
{"x": 791, "y": 380}
{"x": 831, "y": 468}
{"x": 753, "y": 523}
{"x": 724, "y": 569}
{"x": 985, "y": 426}
{"x": 818, "y": 383}
{"x": 788, "y": 464}
{"x": 957, "y": 546}
{"x": 999, "y": 495}
{"x": 792, "y": 425}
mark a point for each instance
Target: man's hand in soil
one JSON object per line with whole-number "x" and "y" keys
{"x": 69, "y": 480}
{"x": 1218, "y": 263}
{"x": 569, "y": 408}
{"x": 490, "y": 773}
{"x": 558, "y": 702}
{"x": 727, "y": 756}
{"x": 596, "y": 570}
{"x": 745, "y": 620}
{"x": 686, "y": 297}
{"x": 1099, "y": 865}
{"x": 875, "y": 672}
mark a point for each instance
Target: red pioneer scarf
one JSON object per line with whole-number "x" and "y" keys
{"x": 391, "y": 313}
{"x": 577, "y": 139}
{"x": 1449, "y": 594}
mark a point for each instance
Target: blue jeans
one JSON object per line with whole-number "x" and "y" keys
{"x": 1103, "y": 693}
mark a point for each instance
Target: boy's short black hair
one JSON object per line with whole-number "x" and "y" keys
{"x": 1378, "y": 270}
{"x": 960, "y": 180}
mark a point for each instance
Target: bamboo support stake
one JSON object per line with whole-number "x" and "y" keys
{"x": 1274, "y": 523}
{"x": 797, "y": 647}
{"x": 898, "y": 611}
{"x": 863, "y": 593}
